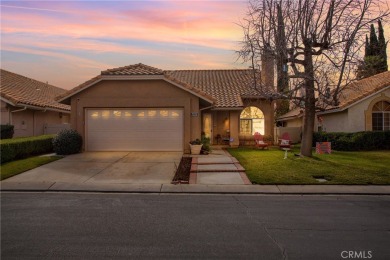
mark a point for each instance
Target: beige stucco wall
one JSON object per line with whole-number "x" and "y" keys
{"x": 4, "y": 113}
{"x": 335, "y": 122}
{"x": 356, "y": 118}
{"x": 234, "y": 128}
{"x": 295, "y": 122}
{"x": 137, "y": 94}
{"x": 30, "y": 122}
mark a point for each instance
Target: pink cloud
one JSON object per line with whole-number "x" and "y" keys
{"x": 70, "y": 35}
{"x": 178, "y": 26}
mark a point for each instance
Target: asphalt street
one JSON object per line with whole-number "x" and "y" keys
{"x": 134, "y": 226}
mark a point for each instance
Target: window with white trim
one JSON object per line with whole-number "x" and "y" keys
{"x": 381, "y": 116}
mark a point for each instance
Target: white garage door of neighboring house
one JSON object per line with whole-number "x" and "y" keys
{"x": 134, "y": 129}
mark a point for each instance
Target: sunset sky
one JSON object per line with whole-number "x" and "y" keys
{"x": 69, "y": 42}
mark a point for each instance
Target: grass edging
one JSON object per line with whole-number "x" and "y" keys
{"x": 16, "y": 167}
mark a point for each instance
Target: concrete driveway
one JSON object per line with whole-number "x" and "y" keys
{"x": 106, "y": 168}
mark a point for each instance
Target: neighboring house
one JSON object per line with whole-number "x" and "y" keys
{"x": 364, "y": 106}
{"x": 139, "y": 107}
{"x": 30, "y": 106}
{"x": 291, "y": 122}
{"x": 293, "y": 118}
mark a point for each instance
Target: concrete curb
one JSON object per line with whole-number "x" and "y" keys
{"x": 197, "y": 189}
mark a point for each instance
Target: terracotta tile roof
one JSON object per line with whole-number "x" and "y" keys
{"x": 351, "y": 93}
{"x": 225, "y": 88}
{"x": 136, "y": 69}
{"x": 365, "y": 87}
{"x": 21, "y": 90}
{"x": 190, "y": 88}
{"x": 357, "y": 90}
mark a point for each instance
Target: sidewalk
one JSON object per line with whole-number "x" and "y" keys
{"x": 196, "y": 188}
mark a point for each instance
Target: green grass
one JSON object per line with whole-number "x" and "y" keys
{"x": 269, "y": 167}
{"x": 15, "y": 167}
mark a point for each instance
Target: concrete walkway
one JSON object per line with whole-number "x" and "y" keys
{"x": 217, "y": 168}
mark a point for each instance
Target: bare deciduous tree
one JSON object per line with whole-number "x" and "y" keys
{"x": 319, "y": 40}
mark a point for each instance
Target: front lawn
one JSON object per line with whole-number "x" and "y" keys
{"x": 269, "y": 167}
{"x": 15, "y": 167}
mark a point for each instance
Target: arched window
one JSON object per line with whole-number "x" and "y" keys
{"x": 381, "y": 116}
{"x": 251, "y": 121}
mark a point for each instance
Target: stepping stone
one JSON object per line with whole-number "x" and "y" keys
{"x": 217, "y": 167}
{"x": 219, "y": 178}
{"x": 215, "y": 160}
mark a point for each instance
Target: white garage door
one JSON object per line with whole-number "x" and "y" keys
{"x": 134, "y": 129}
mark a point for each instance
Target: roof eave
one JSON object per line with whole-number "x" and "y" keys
{"x": 228, "y": 108}
{"x": 65, "y": 99}
{"x": 6, "y": 100}
{"x": 289, "y": 118}
{"x": 40, "y": 108}
{"x": 133, "y": 77}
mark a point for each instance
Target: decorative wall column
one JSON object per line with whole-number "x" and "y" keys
{"x": 234, "y": 121}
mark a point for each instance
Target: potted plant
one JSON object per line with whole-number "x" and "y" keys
{"x": 196, "y": 146}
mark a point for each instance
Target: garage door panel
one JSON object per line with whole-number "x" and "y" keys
{"x": 134, "y": 130}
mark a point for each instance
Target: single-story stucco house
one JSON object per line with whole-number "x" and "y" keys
{"x": 29, "y": 105}
{"x": 142, "y": 108}
{"x": 364, "y": 106}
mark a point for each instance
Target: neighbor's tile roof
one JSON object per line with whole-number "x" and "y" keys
{"x": 351, "y": 93}
{"x": 225, "y": 87}
{"x": 365, "y": 87}
{"x": 20, "y": 90}
{"x": 357, "y": 90}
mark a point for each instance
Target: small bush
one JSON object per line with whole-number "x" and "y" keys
{"x": 7, "y": 131}
{"x": 68, "y": 141}
{"x": 19, "y": 148}
{"x": 360, "y": 141}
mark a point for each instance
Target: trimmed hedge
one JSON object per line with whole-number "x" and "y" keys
{"x": 360, "y": 141}
{"x": 19, "y": 148}
{"x": 7, "y": 131}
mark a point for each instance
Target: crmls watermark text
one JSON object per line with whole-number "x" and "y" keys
{"x": 356, "y": 254}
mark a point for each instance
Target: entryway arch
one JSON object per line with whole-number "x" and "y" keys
{"x": 251, "y": 121}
